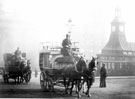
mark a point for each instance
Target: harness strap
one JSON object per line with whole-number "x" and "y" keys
{"x": 76, "y": 69}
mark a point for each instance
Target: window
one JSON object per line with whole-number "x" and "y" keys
{"x": 113, "y": 28}
{"x": 100, "y": 64}
{"x": 120, "y": 65}
{"x": 109, "y": 66}
{"x": 121, "y": 28}
{"x": 113, "y": 65}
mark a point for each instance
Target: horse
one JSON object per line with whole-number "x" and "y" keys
{"x": 72, "y": 74}
{"x": 25, "y": 71}
{"x": 89, "y": 75}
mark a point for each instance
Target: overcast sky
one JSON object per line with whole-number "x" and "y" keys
{"x": 29, "y": 22}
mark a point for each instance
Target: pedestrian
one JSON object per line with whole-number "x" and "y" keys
{"x": 103, "y": 75}
{"x": 36, "y": 73}
{"x": 18, "y": 54}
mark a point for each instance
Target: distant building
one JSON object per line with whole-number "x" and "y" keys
{"x": 118, "y": 55}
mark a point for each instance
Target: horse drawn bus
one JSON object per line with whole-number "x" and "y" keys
{"x": 16, "y": 68}
{"x": 68, "y": 70}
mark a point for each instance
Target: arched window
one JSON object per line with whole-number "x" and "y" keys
{"x": 109, "y": 66}
{"x": 120, "y": 65}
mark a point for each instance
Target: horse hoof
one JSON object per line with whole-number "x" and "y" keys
{"x": 86, "y": 93}
{"x": 79, "y": 96}
{"x": 89, "y": 95}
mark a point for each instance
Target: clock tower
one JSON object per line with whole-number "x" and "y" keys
{"x": 117, "y": 40}
{"x": 117, "y": 25}
{"x": 118, "y": 55}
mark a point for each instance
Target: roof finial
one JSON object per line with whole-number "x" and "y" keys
{"x": 117, "y": 12}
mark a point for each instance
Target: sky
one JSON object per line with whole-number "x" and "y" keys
{"x": 27, "y": 23}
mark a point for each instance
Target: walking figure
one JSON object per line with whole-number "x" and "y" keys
{"x": 103, "y": 75}
{"x": 36, "y": 73}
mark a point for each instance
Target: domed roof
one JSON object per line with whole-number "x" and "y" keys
{"x": 117, "y": 20}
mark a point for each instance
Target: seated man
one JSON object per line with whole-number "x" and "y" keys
{"x": 18, "y": 54}
{"x": 66, "y": 44}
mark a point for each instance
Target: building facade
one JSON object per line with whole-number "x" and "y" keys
{"x": 118, "y": 55}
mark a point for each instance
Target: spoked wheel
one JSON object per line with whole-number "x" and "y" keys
{"x": 27, "y": 78}
{"x": 46, "y": 82}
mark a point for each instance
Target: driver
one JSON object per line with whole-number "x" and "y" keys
{"x": 18, "y": 53}
{"x": 66, "y": 44}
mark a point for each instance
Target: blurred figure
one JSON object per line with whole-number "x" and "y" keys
{"x": 66, "y": 44}
{"x": 18, "y": 54}
{"x": 103, "y": 75}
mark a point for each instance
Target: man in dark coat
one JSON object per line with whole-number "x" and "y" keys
{"x": 103, "y": 75}
{"x": 66, "y": 44}
{"x": 18, "y": 54}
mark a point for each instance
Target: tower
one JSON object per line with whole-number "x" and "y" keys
{"x": 118, "y": 55}
{"x": 117, "y": 40}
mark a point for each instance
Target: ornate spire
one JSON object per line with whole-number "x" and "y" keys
{"x": 118, "y": 17}
{"x": 117, "y": 12}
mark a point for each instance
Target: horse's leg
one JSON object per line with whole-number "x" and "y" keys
{"x": 89, "y": 84}
{"x": 68, "y": 84}
{"x": 76, "y": 86}
{"x": 65, "y": 84}
{"x": 72, "y": 85}
{"x": 79, "y": 87}
{"x": 15, "y": 79}
{"x": 21, "y": 78}
{"x": 84, "y": 87}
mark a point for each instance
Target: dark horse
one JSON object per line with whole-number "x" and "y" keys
{"x": 25, "y": 72}
{"x": 72, "y": 73}
{"x": 89, "y": 75}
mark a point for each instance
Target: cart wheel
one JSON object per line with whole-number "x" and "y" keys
{"x": 46, "y": 82}
{"x": 29, "y": 77}
{"x": 50, "y": 84}
{"x": 5, "y": 81}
